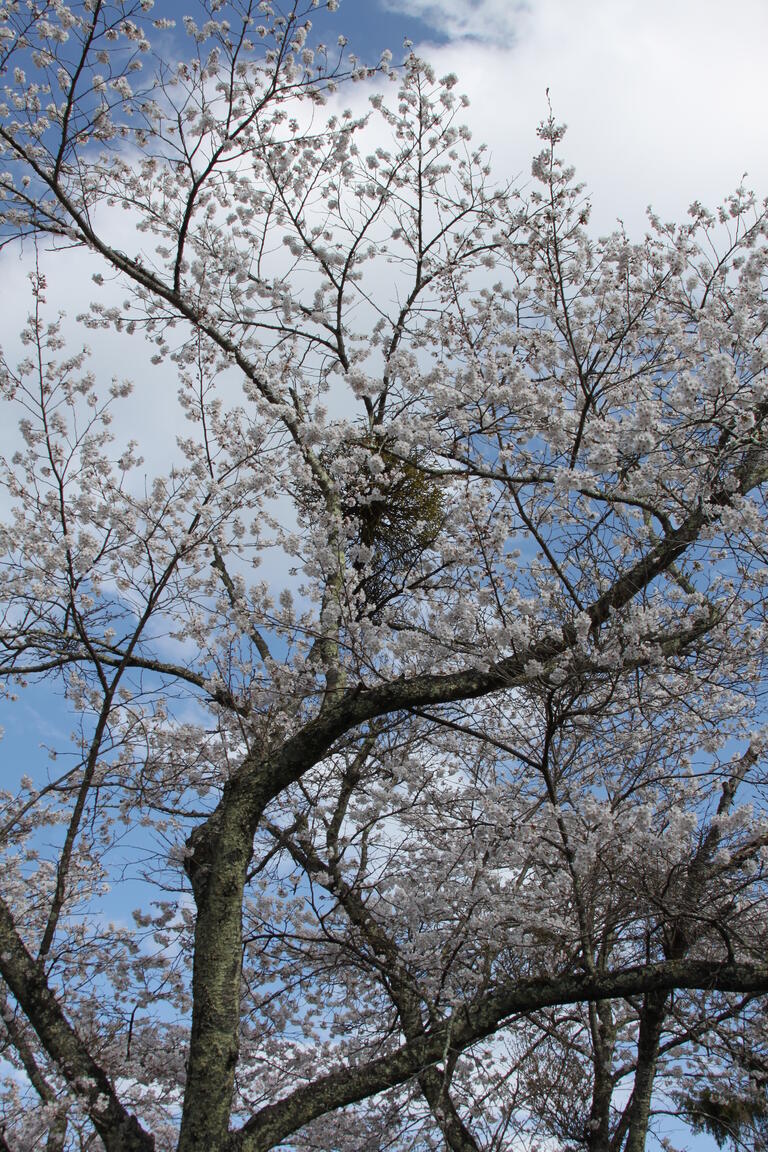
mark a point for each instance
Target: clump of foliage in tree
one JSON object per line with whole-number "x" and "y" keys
{"x": 729, "y": 1119}
{"x": 396, "y": 521}
{"x": 414, "y": 686}
{"x": 733, "y": 1106}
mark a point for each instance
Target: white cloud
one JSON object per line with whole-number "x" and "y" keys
{"x": 665, "y": 99}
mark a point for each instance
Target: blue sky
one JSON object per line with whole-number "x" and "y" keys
{"x": 370, "y": 26}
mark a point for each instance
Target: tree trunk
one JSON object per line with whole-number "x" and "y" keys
{"x": 220, "y": 853}
{"x": 651, "y": 1025}
{"x": 604, "y": 1039}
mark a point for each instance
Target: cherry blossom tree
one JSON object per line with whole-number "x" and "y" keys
{"x": 448, "y": 825}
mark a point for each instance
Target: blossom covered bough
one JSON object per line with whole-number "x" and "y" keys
{"x": 448, "y": 824}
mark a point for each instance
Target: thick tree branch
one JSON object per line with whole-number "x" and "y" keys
{"x": 120, "y": 1131}
{"x": 476, "y": 1021}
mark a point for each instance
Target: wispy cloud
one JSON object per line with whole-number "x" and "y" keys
{"x": 492, "y": 20}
